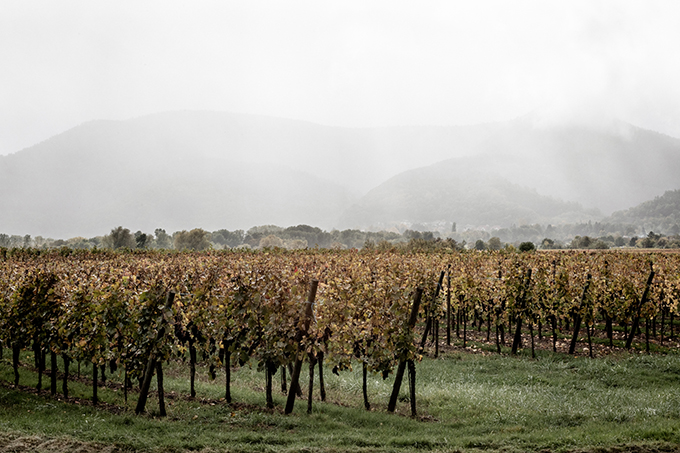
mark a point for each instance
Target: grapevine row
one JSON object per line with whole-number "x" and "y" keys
{"x": 233, "y": 308}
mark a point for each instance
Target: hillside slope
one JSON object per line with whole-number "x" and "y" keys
{"x": 217, "y": 170}
{"x": 609, "y": 168}
{"x": 661, "y": 215}
{"x": 457, "y": 190}
{"x": 103, "y": 174}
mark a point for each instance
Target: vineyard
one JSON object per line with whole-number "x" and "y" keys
{"x": 132, "y": 312}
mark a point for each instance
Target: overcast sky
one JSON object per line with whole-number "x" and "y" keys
{"x": 344, "y": 63}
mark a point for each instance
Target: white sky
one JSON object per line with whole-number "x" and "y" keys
{"x": 345, "y": 63}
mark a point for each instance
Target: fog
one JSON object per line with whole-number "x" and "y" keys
{"x": 354, "y": 114}
{"x": 354, "y": 64}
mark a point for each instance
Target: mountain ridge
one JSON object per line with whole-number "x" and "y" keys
{"x": 232, "y": 170}
{"x": 454, "y": 191}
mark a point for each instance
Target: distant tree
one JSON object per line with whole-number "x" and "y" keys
{"x": 79, "y": 243}
{"x": 645, "y": 243}
{"x": 547, "y": 243}
{"x": 451, "y": 244}
{"x": 412, "y": 234}
{"x": 581, "y": 242}
{"x": 385, "y": 246}
{"x": 228, "y": 238}
{"x": 96, "y": 241}
{"x": 4, "y": 240}
{"x": 295, "y": 244}
{"x": 527, "y": 247}
{"x": 163, "y": 239}
{"x": 494, "y": 243}
{"x": 196, "y": 239}
{"x": 271, "y": 241}
{"x": 348, "y": 238}
{"x": 254, "y": 234}
{"x": 142, "y": 240}
{"x": 599, "y": 244}
{"x": 120, "y": 237}
{"x": 27, "y": 241}
{"x": 480, "y": 245}
{"x": 313, "y": 235}
{"x": 338, "y": 245}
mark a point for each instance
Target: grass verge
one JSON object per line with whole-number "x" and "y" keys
{"x": 466, "y": 402}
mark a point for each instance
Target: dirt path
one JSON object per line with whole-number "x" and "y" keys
{"x": 20, "y": 444}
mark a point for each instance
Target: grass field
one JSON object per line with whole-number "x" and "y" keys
{"x": 466, "y": 402}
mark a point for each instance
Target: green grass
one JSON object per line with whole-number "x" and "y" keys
{"x": 466, "y": 402}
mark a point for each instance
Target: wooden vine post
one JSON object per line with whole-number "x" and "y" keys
{"x": 226, "y": 344}
{"x": 402, "y": 364}
{"x": 95, "y": 383}
{"x": 517, "y": 341}
{"x": 643, "y": 300}
{"x": 53, "y": 373}
{"x": 154, "y": 365}
{"x": 431, "y": 316}
{"x": 64, "y": 384}
{"x": 448, "y": 306}
{"x": 192, "y": 360}
{"x": 578, "y": 318}
{"x": 161, "y": 393}
{"x": 436, "y": 320}
{"x": 16, "y": 350}
{"x": 295, "y": 378}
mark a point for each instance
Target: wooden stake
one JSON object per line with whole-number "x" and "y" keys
{"x": 53, "y": 373}
{"x": 95, "y": 371}
{"x": 364, "y": 386}
{"x": 161, "y": 392}
{"x": 448, "y": 306}
{"x": 643, "y": 300}
{"x": 64, "y": 385}
{"x": 151, "y": 364}
{"x": 577, "y": 316}
{"x": 392, "y": 405}
{"x": 295, "y": 378}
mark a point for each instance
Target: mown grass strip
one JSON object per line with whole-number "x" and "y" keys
{"x": 467, "y": 402}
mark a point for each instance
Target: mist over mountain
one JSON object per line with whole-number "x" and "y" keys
{"x": 213, "y": 170}
{"x": 660, "y": 215}
{"x": 611, "y": 166}
{"x": 463, "y": 191}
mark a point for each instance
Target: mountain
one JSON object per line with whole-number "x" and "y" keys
{"x": 461, "y": 191}
{"x": 661, "y": 215}
{"x": 214, "y": 170}
{"x": 610, "y": 167}
{"x": 149, "y": 174}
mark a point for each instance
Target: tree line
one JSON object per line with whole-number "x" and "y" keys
{"x": 306, "y": 236}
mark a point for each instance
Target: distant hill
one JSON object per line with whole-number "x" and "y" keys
{"x": 217, "y": 170}
{"x": 461, "y": 191}
{"x": 145, "y": 176}
{"x": 609, "y": 168}
{"x": 660, "y": 215}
